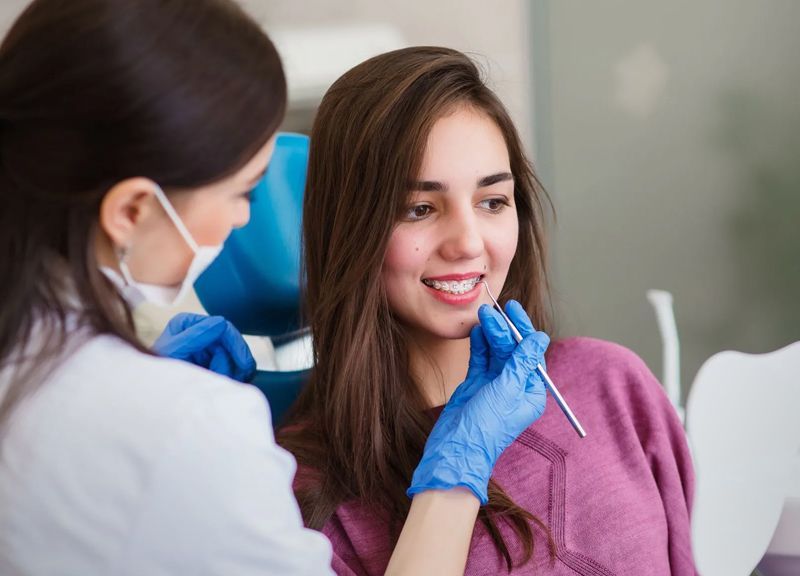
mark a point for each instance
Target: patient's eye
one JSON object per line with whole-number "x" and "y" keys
{"x": 418, "y": 212}
{"x": 494, "y": 205}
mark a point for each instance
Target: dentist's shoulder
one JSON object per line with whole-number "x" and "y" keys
{"x": 155, "y": 466}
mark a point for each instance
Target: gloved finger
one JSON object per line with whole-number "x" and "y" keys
{"x": 220, "y": 361}
{"x": 532, "y": 354}
{"x": 196, "y": 337}
{"x": 233, "y": 341}
{"x": 508, "y": 389}
{"x": 478, "y": 363}
{"x": 478, "y": 351}
{"x": 519, "y": 317}
{"x": 182, "y": 321}
{"x": 535, "y": 389}
{"x": 535, "y": 383}
{"x": 245, "y": 372}
{"x": 223, "y": 362}
{"x": 540, "y": 342}
{"x": 201, "y": 357}
{"x": 535, "y": 395}
{"x": 498, "y": 336}
{"x": 204, "y": 332}
{"x": 542, "y": 360}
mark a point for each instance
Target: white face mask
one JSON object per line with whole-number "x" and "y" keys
{"x": 138, "y": 292}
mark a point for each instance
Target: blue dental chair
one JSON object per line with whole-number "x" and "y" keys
{"x": 255, "y": 281}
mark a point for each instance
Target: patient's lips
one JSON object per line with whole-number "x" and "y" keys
{"x": 455, "y": 288}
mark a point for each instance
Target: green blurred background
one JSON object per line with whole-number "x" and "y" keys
{"x": 669, "y": 136}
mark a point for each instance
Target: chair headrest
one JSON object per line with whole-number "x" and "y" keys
{"x": 255, "y": 281}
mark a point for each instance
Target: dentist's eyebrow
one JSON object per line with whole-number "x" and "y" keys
{"x": 257, "y": 178}
{"x": 434, "y": 186}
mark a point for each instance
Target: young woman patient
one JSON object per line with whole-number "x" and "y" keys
{"x": 418, "y": 188}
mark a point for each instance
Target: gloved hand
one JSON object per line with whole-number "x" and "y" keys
{"x": 208, "y": 341}
{"x": 502, "y": 395}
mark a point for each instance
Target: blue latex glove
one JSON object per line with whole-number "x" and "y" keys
{"x": 502, "y": 395}
{"x": 208, "y": 341}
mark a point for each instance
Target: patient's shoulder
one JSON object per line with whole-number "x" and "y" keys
{"x": 583, "y": 353}
{"x": 603, "y": 372}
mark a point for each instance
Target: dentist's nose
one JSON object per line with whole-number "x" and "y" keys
{"x": 242, "y": 217}
{"x": 462, "y": 239}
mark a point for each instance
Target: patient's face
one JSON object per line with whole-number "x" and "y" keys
{"x": 461, "y": 225}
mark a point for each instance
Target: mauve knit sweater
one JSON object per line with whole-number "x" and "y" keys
{"x": 617, "y": 502}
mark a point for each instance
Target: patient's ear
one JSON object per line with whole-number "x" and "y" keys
{"x": 124, "y": 207}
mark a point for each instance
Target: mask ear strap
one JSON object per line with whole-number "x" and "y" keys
{"x": 122, "y": 258}
{"x": 173, "y": 215}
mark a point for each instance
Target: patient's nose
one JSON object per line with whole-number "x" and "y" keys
{"x": 462, "y": 239}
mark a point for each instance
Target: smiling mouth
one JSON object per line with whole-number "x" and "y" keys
{"x": 453, "y": 286}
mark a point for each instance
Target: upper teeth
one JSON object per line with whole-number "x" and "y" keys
{"x": 453, "y": 286}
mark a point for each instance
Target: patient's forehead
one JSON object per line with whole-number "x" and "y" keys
{"x": 463, "y": 145}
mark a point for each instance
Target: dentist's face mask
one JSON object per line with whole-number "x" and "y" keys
{"x": 138, "y": 292}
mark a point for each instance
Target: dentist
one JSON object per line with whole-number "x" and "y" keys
{"x": 131, "y": 136}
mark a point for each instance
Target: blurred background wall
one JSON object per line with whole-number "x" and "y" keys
{"x": 668, "y": 135}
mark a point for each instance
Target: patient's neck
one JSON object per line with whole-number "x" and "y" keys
{"x": 439, "y": 365}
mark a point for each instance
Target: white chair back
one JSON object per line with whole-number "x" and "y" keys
{"x": 743, "y": 423}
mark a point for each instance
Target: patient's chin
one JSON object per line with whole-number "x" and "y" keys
{"x": 453, "y": 331}
{"x": 439, "y": 332}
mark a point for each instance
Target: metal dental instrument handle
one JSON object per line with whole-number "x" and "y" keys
{"x": 542, "y": 372}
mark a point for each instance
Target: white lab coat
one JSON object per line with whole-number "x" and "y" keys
{"x": 126, "y": 464}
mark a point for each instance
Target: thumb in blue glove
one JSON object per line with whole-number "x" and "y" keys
{"x": 502, "y": 395}
{"x": 207, "y": 341}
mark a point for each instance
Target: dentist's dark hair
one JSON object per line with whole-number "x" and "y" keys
{"x": 361, "y": 422}
{"x": 92, "y": 92}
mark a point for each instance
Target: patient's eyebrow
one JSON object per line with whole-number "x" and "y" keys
{"x": 494, "y": 179}
{"x": 427, "y": 186}
{"x": 435, "y": 186}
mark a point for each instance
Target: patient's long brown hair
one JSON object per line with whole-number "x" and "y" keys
{"x": 361, "y": 422}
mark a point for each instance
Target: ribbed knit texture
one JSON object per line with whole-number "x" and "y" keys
{"x": 617, "y": 502}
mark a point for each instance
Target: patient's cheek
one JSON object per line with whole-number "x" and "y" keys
{"x": 502, "y": 244}
{"x": 404, "y": 256}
